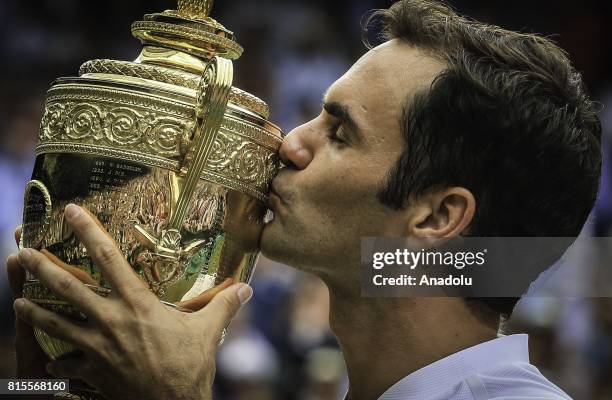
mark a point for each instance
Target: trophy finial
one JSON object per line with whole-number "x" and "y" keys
{"x": 188, "y": 29}
{"x": 198, "y": 9}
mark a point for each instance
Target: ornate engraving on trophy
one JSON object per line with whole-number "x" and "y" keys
{"x": 122, "y": 127}
{"x": 241, "y": 159}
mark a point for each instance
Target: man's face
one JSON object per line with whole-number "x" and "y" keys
{"x": 325, "y": 202}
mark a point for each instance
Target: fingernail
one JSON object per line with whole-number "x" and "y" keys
{"x": 18, "y": 305}
{"x": 72, "y": 211}
{"x": 24, "y": 255}
{"x": 245, "y": 293}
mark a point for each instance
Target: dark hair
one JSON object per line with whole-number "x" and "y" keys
{"x": 509, "y": 119}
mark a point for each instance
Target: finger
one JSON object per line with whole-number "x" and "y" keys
{"x": 222, "y": 308}
{"x": 61, "y": 282}
{"x": 30, "y": 357}
{"x": 205, "y": 297}
{"x": 74, "y": 271}
{"x": 104, "y": 252}
{"x": 24, "y": 335}
{"x": 18, "y": 232}
{"x": 54, "y": 324}
{"x": 16, "y": 276}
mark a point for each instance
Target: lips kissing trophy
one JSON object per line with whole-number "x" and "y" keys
{"x": 174, "y": 162}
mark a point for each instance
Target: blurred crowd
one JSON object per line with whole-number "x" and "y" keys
{"x": 280, "y": 346}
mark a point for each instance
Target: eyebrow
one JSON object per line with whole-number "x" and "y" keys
{"x": 341, "y": 112}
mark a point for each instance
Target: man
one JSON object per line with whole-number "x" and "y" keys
{"x": 449, "y": 128}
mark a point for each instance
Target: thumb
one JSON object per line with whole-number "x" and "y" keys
{"x": 224, "y": 306}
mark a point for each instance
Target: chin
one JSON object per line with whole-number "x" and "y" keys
{"x": 272, "y": 242}
{"x": 298, "y": 249}
{"x": 280, "y": 246}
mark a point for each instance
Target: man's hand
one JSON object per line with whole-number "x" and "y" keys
{"x": 31, "y": 360}
{"x": 132, "y": 345}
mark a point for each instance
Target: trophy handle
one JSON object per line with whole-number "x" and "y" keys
{"x": 212, "y": 97}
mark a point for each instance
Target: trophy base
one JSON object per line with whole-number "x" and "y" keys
{"x": 78, "y": 396}
{"x": 79, "y": 391}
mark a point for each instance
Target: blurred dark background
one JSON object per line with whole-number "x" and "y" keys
{"x": 280, "y": 346}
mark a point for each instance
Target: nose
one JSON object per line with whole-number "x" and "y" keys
{"x": 296, "y": 150}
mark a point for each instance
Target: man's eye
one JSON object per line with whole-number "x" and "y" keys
{"x": 332, "y": 135}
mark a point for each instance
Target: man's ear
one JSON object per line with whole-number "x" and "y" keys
{"x": 444, "y": 213}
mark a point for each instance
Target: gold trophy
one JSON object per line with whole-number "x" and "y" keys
{"x": 174, "y": 162}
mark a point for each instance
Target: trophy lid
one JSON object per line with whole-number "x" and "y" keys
{"x": 188, "y": 29}
{"x": 177, "y": 44}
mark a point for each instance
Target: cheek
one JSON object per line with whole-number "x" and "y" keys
{"x": 340, "y": 194}
{"x": 332, "y": 205}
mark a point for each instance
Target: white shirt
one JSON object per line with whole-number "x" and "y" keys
{"x": 498, "y": 369}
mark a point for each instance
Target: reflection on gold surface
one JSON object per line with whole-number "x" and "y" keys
{"x": 220, "y": 230}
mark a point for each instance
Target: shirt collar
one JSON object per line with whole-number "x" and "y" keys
{"x": 449, "y": 371}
